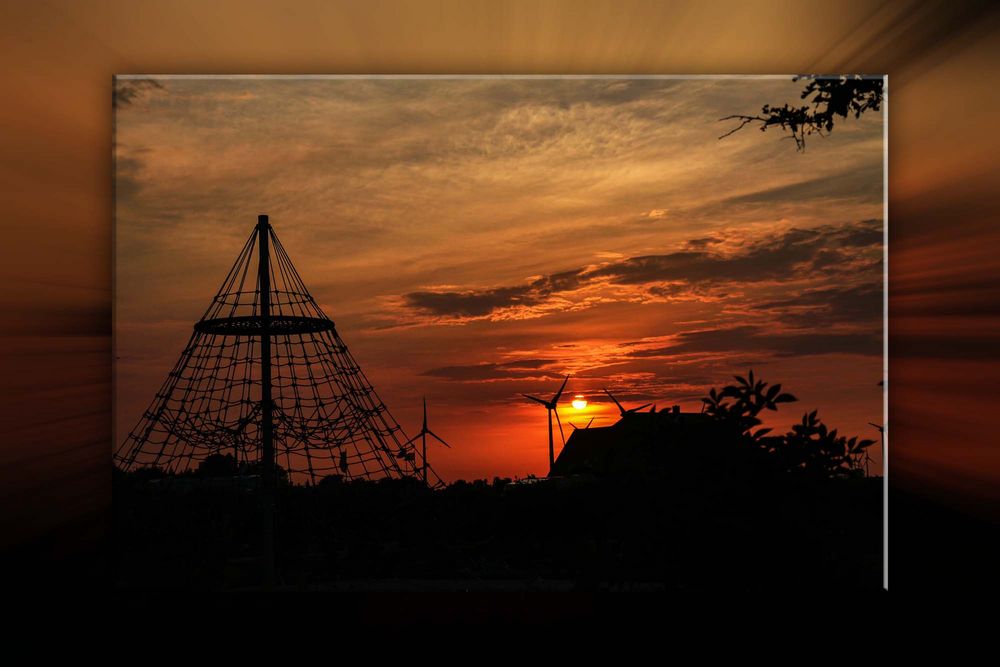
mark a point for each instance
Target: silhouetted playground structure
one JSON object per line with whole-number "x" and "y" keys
{"x": 266, "y": 378}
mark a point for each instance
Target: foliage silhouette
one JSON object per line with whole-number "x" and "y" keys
{"x": 832, "y": 96}
{"x": 810, "y": 447}
{"x": 748, "y": 399}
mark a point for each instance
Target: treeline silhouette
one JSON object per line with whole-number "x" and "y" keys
{"x": 746, "y": 511}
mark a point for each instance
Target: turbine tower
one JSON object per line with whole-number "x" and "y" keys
{"x": 550, "y": 406}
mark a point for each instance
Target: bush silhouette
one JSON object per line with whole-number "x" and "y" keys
{"x": 809, "y": 448}
{"x": 217, "y": 465}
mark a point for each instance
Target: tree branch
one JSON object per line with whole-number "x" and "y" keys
{"x": 832, "y": 96}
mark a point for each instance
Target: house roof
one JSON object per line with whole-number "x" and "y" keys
{"x": 636, "y": 442}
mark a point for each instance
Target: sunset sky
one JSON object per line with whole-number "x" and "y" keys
{"x": 474, "y": 239}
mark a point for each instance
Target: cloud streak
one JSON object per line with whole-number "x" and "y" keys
{"x": 695, "y": 272}
{"x": 761, "y": 339}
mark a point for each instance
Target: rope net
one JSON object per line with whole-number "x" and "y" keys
{"x": 327, "y": 417}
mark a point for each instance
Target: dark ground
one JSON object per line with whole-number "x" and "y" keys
{"x": 938, "y": 550}
{"x": 666, "y": 533}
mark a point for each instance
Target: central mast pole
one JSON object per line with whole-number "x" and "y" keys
{"x": 266, "y": 405}
{"x": 264, "y": 282}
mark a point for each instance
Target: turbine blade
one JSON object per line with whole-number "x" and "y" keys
{"x": 436, "y": 437}
{"x": 634, "y": 410}
{"x": 590, "y": 422}
{"x": 558, "y": 421}
{"x": 555, "y": 399}
{"x": 620, "y": 408}
{"x": 536, "y": 400}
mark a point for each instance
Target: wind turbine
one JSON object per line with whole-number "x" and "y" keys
{"x": 577, "y": 428}
{"x": 424, "y": 432}
{"x": 622, "y": 409}
{"x": 551, "y": 407}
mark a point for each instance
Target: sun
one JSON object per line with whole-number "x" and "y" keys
{"x": 579, "y": 402}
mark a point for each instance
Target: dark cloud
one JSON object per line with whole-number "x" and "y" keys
{"x": 827, "y": 306}
{"x": 127, "y": 180}
{"x": 795, "y": 253}
{"x": 526, "y": 368}
{"x": 127, "y": 91}
{"x": 760, "y": 339}
{"x": 684, "y": 265}
{"x": 526, "y": 363}
{"x": 672, "y": 289}
{"x": 806, "y": 344}
{"x": 703, "y": 242}
{"x": 564, "y": 281}
{"x": 865, "y": 233}
{"x": 472, "y": 303}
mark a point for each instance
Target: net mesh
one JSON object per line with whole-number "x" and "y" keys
{"x": 327, "y": 417}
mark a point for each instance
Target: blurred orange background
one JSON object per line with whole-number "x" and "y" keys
{"x": 57, "y": 175}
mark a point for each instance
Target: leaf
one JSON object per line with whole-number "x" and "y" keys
{"x": 785, "y": 398}
{"x": 741, "y": 380}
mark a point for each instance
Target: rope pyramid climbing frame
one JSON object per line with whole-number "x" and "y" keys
{"x": 266, "y": 377}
